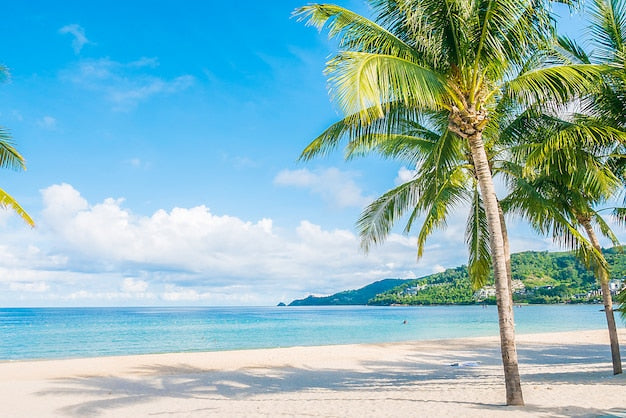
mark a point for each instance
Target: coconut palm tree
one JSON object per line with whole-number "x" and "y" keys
{"x": 561, "y": 172}
{"x": 606, "y": 106}
{"x": 608, "y": 27}
{"x": 11, "y": 158}
{"x": 460, "y": 57}
{"x": 444, "y": 179}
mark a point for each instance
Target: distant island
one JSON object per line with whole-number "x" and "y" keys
{"x": 538, "y": 277}
{"x": 352, "y": 297}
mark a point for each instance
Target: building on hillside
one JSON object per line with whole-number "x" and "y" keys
{"x": 616, "y": 285}
{"x": 518, "y": 286}
{"x": 414, "y": 289}
{"x": 490, "y": 291}
{"x": 485, "y": 292}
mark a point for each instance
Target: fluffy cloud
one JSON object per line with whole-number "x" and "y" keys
{"x": 78, "y": 33}
{"x": 438, "y": 268}
{"x": 134, "y": 285}
{"x": 335, "y": 186}
{"x": 102, "y": 253}
{"x": 404, "y": 175}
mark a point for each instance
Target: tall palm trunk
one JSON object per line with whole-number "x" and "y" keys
{"x": 507, "y": 250}
{"x": 607, "y": 300}
{"x": 503, "y": 292}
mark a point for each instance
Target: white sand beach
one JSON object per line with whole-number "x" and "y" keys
{"x": 563, "y": 375}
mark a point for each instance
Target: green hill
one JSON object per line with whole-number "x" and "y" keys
{"x": 350, "y": 297}
{"x": 546, "y": 278}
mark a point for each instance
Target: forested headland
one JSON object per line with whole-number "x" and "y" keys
{"x": 538, "y": 277}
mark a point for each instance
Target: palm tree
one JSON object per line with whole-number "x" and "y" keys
{"x": 608, "y": 26}
{"x": 460, "y": 57}
{"x": 607, "y": 107}
{"x": 444, "y": 178}
{"x": 569, "y": 175}
{"x": 11, "y": 158}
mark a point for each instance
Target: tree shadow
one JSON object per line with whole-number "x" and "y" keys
{"x": 393, "y": 380}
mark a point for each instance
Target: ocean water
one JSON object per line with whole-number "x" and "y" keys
{"x": 44, "y": 333}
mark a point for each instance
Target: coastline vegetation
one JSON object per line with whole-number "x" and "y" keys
{"x": 547, "y": 277}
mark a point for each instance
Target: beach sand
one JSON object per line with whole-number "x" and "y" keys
{"x": 563, "y": 375}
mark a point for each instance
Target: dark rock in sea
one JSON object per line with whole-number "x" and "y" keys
{"x": 281, "y": 304}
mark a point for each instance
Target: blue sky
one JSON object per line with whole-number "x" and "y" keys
{"x": 161, "y": 141}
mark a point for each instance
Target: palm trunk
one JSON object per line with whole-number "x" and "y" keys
{"x": 507, "y": 250}
{"x": 503, "y": 292}
{"x": 608, "y": 302}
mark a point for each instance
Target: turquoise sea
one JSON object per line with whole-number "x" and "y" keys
{"x": 43, "y": 333}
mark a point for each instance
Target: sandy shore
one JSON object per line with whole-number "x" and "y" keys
{"x": 563, "y": 375}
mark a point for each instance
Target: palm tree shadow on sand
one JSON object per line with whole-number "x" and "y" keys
{"x": 409, "y": 380}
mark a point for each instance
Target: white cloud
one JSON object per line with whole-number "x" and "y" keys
{"x": 137, "y": 162}
{"x": 134, "y": 285}
{"x": 240, "y": 162}
{"x": 404, "y": 175}
{"x": 150, "y": 87}
{"x": 47, "y": 122}
{"x": 78, "y": 33}
{"x": 102, "y": 253}
{"x": 176, "y": 294}
{"x": 124, "y": 84}
{"x": 334, "y": 186}
{"x": 5, "y": 216}
{"x": 438, "y": 268}
{"x": 62, "y": 200}
{"x": 29, "y": 286}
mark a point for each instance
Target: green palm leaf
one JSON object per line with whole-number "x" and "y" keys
{"x": 360, "y": 81}
{"x": 378, "y": 218}
{"x": 437, "y": 201}
{"x": 9, "y": 156}
{"x": 562, "y": 83}
{"x": 355, "y": 32}
{"x": 477, "y": 238}
{"x": 608, "y": 28}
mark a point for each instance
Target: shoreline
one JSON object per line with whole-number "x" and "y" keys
{"x": 563, "y": 373}
{"x": 409, "y": 341}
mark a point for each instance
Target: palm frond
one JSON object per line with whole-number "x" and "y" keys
{"x": 354, "y": 32}
{"x": 6, "y": 201}
{"x": 619, "y": 215}
{"x": 361, "y": 81}
{"x": 438, "y": 199}
{"x": 477, "y": 239}
{"x": 378, "y": 217}
{"x": 408, "y": 148}
{"x": 605, "y": 229}
{"x": 560, "y": 83}
{"x": 9, "y": 156}
{"x": 608, "y": 28}
{"x": 569, "y": 52}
